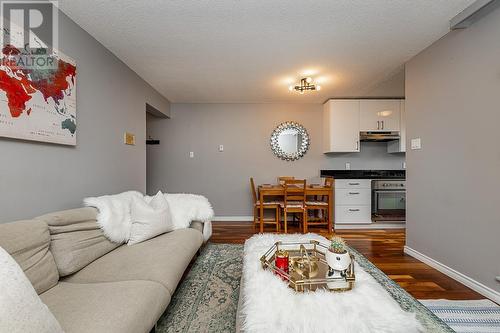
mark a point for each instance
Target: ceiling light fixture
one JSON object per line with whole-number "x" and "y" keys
{"x": 304, "y": 85}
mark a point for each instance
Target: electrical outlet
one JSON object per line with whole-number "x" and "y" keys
{"x": 191, "y": 154}
{"x": 404, "y": 165}
{"x": 347, "y": 166}
{"x": 221, "y": 148}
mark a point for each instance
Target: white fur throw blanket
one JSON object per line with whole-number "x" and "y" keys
{"x": 269, "y": 305}
{"x": 186, "y": 208}
{"x": 115, "y": 220}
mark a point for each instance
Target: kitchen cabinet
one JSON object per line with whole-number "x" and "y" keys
{"x": 379, "y": 115}
{"x": 341, "y": 126}
{"x": 344, "y": 196}
{"x": 399, "y": 146}
{"x": 353, "y": 201}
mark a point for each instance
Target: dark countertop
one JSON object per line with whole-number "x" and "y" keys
{"x": 364, "y": 174}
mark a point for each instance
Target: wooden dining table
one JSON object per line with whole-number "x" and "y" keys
{"x": 267, "y": 190}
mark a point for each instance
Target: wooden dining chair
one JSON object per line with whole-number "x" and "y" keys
{"x": 329, "y": 182}
{"x": 295, "y": 200}
{"x": 320, "y": 204}
{"x": 275, "y": 205}
{"x": 281, "y": 179}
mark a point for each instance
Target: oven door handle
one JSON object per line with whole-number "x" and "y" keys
{"x": 389, "y": 191}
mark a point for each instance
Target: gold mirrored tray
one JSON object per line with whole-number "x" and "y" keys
{"x": 307, "y": 267}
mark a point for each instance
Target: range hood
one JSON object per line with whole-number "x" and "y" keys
{"x": 379, "y": 136}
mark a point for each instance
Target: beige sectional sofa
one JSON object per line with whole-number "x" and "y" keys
{"x": 91, "y": 284}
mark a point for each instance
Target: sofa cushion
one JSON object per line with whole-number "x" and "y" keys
{"x": 21, "y": 310}
{"x": 76, "y": 239}
{"x": 28, "y": 243}
{"x": 162, "y": 259}
{"x": 127, "y": 306}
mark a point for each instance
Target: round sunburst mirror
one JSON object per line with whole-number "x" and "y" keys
{"x": 290, "y": 141}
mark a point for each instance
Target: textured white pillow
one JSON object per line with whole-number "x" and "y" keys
{"x": 21, "y": 310}
{"x": 149, "y": 220}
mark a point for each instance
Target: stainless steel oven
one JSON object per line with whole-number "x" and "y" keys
{"x": 389, "y": 199}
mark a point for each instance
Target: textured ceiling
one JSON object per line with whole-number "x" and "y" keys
{"x": 251, "y": 50}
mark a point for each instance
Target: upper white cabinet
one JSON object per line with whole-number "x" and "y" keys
{"x": 379, "y": 115}
{"x": 341, "y": 126}
{"x": 399, "y": 146}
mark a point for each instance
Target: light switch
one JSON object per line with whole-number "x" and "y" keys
{"x": 416, "y": 144}
{"x": 191, "y": 154}
{"x": 404, "y": 165}
{"x": 221, "y": 148}
{"x": 347, "y": 166}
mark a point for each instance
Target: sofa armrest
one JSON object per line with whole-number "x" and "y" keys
{"x": 204, "y": 227}
{"x": 197, "y": 225}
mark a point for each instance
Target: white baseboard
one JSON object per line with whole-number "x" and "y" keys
{"x": 370, "y": 226}
{"x": 462, "y": 278}
{"x": 232, "y": 218}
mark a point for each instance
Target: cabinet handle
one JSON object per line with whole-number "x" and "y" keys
{"x": 353, "y": 192}
{"x": 354, "y": 210}
{"x": 378, "y": 124}
{"x": 353, "y": 183}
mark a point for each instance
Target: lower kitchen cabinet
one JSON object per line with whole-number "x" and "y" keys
{"x": 351, "y": 214}
{"x": 353, "y": 203}
{"x": 345, "y": 196}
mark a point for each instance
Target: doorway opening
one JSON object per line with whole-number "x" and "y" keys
{"x": 154, "y": 120}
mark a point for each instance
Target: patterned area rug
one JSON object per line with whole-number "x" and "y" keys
{"x": 481, "y": 316}
{"x": 207, "y": 299}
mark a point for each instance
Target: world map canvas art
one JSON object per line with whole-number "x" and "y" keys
{"x": 37, "y": 103}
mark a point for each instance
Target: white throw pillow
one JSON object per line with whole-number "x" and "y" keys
{"x": 149, "y": 220}
{"x": 21, "y": 310}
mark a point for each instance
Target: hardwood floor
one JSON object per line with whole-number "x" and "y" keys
{"x": 382, "y": 247}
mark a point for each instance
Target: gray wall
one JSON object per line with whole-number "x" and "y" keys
{"x": 36, "y": 178}
{"x": 244, "y": 130}
{"x": 452, "y": 103}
